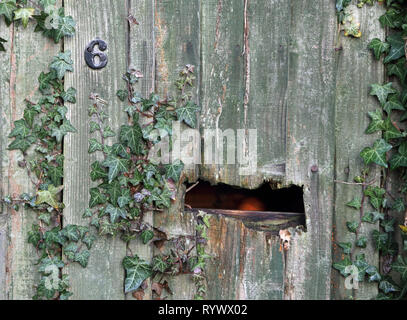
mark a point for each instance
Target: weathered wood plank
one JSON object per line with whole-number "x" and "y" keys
{"x": 223, "y": 79}
{"x": 4, "y": 130}
{"x": 268, "y": 40}
{"x": 106, "y": 19}
{"x": 310, "y": 142}
{"x": 356, "y": 70}
{"x": 3, "y": 255}
{"x": 246, "y": 264}
{"x": 177, "y": 43}
{"x": 142, "y": 57}
{"x": 28, "y": 54}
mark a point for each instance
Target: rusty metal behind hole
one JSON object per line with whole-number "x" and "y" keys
{"x": 91, "y": 52}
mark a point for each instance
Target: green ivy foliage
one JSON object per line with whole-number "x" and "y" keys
{"x": 389, "y": 152}
{"x": 38, "y": 135}
{"x": 50, "y": 20}
{"x": 129, "y": 183}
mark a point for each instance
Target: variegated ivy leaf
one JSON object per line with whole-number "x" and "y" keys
{"x": 49, "y": 196}
{"x": 115, "y": 213}
{"x": 24, "y": 14}
{"x": 116, "y": 166}
{"x": 137, "y": 270}
{"x": 377, "y": 153}
{"x": 400, "y": 158}
{"x": 188, "y": 113}
{"x": 397, "y": 47}
{"x": 379, "y": 47}
{"x": 382, "y": 91}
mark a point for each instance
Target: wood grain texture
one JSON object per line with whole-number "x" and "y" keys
{"x": 356, "y": 70}
{"x": 3, "y": 254}
{"x": 28, "y": 54}
{"x": 106, "y": 19}
{"x": 310, "y": 141}
{"x": 177, "y": 43}
{"x": 222, "y": 78}
{"x": 246, "y": 264}
{"x": 141, "y": 48}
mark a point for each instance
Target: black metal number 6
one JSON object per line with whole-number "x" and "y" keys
{"x": 91, "y": 52}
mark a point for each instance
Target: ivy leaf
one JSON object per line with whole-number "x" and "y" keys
{"x": 71, "y": 232}
{"x": 96, "y": 197}
{"x": 382, "y": 91}
{"x": 146, "y": 236}
{"x": 123, "y": 201}
{"x": 54, "y": 236}
{"x": 362, "y": 265}
{"x": 393, "y": 104}
{"x": 391, "y": 18}
{"x": 119, "y": 150}
{"x": 66, "y": 27}
{"x": 69, "y": 95}
{"x": 187, "y": 113}
{"x": 377, "y": 153}
{"x": 45, "y": 80}
{"x": 97, "y": 172}
{"x": 399, "y": 205}
{"x": 174, "y": 169}
{"x": 116, "y": 166}
{"x": 388, "y": 287}
{"x": 45, "y": 217}
{"x": 380, "y": 239}
{"x": 132, "y": 137}
{"x": 377, "y": 123}
{"x": 21, "y": 129}
{"x": 378, "y": 47}
{"x": 398, "y": 69}
{"x": 352, "y": 226}
{"x": 113, "y": 190}
{"x": 49, "y": 196}
{"x": 62, "y": 130}
{"x": 115, "y": 213}
{"x": 137, "y": 270}
{"x": 7, "y": 9}
{"x": 355, "y": 203}
{"x": 400, "y": 158}
{"x": 62, "y": 63}
{"x": 24, "y": 14}
{"x": 159, "y": 264}
{"x": 372, "y": 217}
{"x": 21, "y": 143}
{"x": 94, "y": 146}
{"x": 346, "y": 246}
{"x": 122, "y": 95}
{"x": 341, "y": 266}
{"x": 397, "y": 47}
{"x": 55, "y": 173}
{"x": 88, "y": 240}
{"x": 375, "y": 195}
{"x": 390, "y": 131}
{"x": 374, "y": 275}
{"x": 108, "y": 132}
{"x": 29, "y": 114}
{"x": 82, "y": 258}
{"x": 362, "y": 242}
{"x": 388, "y": 225}
{"x": 401, "y": 267}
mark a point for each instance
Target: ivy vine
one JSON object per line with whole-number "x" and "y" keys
{"x": 130, "y": 183}
{"x": 389, "y": 153}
